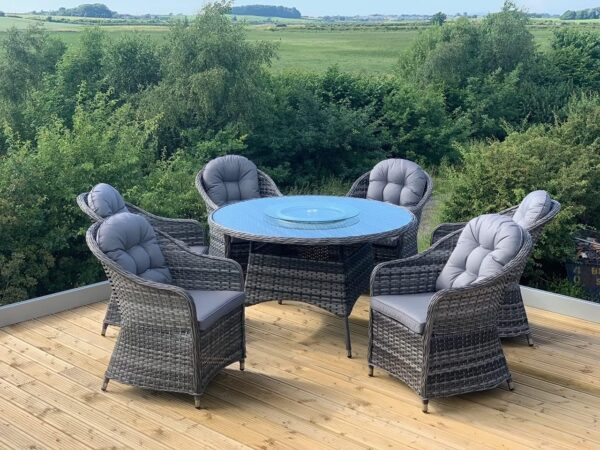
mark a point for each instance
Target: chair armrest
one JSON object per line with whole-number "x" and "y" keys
{"x": 147, "y": 303}
{"x": 189, "y": 231}
{"x": 203, "y": 272}
{"x": 462, "y": 310}
{"x": 445, "y": 229}
{"x": 412, "y": 275}
{"x": 360, "y": 187}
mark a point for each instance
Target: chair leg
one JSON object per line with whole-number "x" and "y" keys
{"x": 425, "y": 405}
{"x": 348, "y": 344}
{"x": 104, "y": 327}
{"x": 529, "y": 339}
{"x": 105, "y": 384}
{"x": 242, "y": 364}
{"x": 371, "y": 370}
{"x": 511, "y": 385}
{"x": 197, "y": 402}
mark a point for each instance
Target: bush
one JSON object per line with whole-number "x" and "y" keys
{"x": 42, "y": 249}
{"x": 563, "y": 159}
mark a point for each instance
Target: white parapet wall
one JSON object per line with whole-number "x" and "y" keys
{"x": 63, "y": 301}
{"x": 561, "y": 304}
{"x": 53, "y": 303}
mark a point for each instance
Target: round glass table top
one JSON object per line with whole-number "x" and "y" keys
{"x": 310, "y": 219}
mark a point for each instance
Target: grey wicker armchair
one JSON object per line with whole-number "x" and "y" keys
{"x": 533, "y": 214}
{"x": 403, "y": 183}
{"x": 434, "y": 326}
{"x": 226, "y": 180}
{"x": 182, "y": 313}
{"x": 108, "y": 201}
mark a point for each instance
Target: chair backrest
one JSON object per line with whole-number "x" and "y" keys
{"x": 534, "y": 207}
{"x": 397, "y": 181}
{"x": 230, "y": 179}
{"x": 130, "y": 241}
{"x": 105, "y": 201}
{"x": 485, "y": 246}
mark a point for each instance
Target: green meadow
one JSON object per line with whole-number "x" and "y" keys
{"x": 359, "y": 49}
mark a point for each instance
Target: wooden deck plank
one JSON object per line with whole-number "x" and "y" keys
{"x": 299, "y": 391}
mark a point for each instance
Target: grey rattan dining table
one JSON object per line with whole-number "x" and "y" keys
{"x": 312, "y": 249}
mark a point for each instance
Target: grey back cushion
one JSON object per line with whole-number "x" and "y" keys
{"x": 105, "y": 200}
{"x": 485, "y": 246}
{"x": 230, "y": 179}
{"x": 397, "y": 181}
{"x": 129, "y": 240}
{"x": 534, "y": 206}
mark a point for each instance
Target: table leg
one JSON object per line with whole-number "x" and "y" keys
{"x": 330, "y": 277}
{"x": 348, "y": 343}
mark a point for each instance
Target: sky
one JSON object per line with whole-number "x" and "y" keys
{"x": 312, "y": 7}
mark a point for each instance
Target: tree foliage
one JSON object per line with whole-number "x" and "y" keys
{"x": 98, "y": 10}
{"x": 582, "y": 14}
{"x": 439, "y": 18}
{"x": 267, "y": 11}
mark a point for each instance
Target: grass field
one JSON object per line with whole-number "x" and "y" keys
{"x": 366, "y": 50}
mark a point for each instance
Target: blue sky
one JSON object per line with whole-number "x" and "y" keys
{"x": 312, "y": 7}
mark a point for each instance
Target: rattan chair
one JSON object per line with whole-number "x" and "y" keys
{"x": 400, "y": 246}
{"x": 512, "y": 320}
{"x": 162, "y": 344}
{"x": 220, "y": 245}
{"x": 458, "y": 349}
{"x": 190, "y": 232}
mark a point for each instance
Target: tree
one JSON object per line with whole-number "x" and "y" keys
{"x": 584, "y": 14}
{"x": 439, "y": 18}
{"x": 131, "y": 64}
{"x": 267, "y": 11}
{"x": 576, "y": 54}
{"x": 507, "y": 42}
{"x": 27, "y": 56}
{"x": 212, "y": 78}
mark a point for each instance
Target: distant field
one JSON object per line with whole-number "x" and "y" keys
{"x": 356, "y": 51}
{"x": 365, "y": 49}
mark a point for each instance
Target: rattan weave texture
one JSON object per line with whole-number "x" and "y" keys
{"x": 159, "y": 345}
{"x": 512, "y": 320}
{"x": 460, "y": 349}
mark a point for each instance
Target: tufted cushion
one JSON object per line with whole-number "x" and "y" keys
{"x": 129, "y": 240}
{"x": 533, "y": 207}
{"x": 105, "y": 200}
{"x": 230, "y": 179}
{"x": 397, "y": 181}
{"x": 486, "y": 244}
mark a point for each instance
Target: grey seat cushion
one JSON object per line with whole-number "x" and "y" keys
{"x": 230, "y": 179}
{"x": 212, "y": 305}
{"x": 485, "y": 246}
{"x": 534, "y": 207}
{"x": 397, "y": 181}
{"x": 410, "y": 310}
{"x": 202, "y": 249}
{"x": 129, "y": 240}
{"x": 105, "y": 200}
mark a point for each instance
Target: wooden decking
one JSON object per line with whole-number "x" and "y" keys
{"x": 298, "y": 391}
